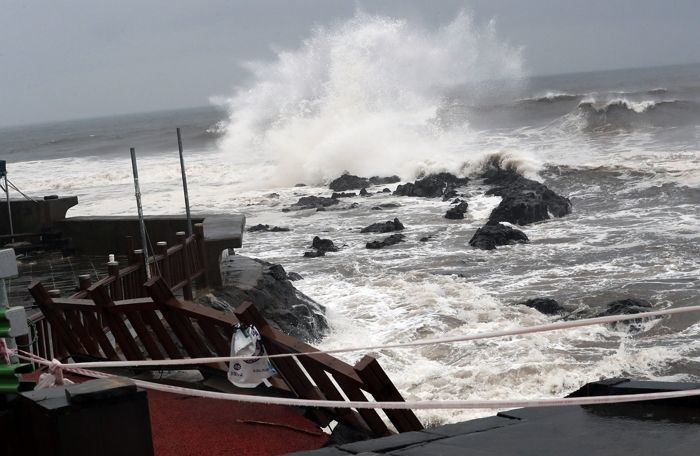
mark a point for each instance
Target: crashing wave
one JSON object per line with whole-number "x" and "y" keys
{"x": 621, "y": 113}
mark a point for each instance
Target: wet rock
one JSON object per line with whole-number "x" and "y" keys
{"x": 384, "y": 227}
{"x": 391, "y": 240}
{"x": 524, "y": 200}
{"x": 546, "y": 306}
{"x": 314, "y": 254}
{"x": 364, "y": 192}
{"x": 348, "y": 182}
{"x": 273, "y": 229}
{"x": 300, "y": 185}
{"x": 268, "y": 287}
{"x": 376, "y": 180}
{"x": 627, "y": 306}
{"x": 431, "y": 186}
{"x": 294, "y": 276}
{"x": 313, "y": 202}
{"x": 337, "y": 195}
{"x": 489, "y": 236}
{"x": 457, "y": 212}
{"x": 325, "y": 245}
{"x": 354, "y": 206}
{"x": 385, "y": 190}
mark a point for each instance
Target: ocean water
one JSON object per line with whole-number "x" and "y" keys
{"x": 379, "y": 96}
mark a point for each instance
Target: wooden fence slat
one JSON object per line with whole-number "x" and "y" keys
{"x": 116, "y": 324}
{"x": 144, "y": 335}
{"x": 152, "y": 319}
{"x": 383, "y": 389}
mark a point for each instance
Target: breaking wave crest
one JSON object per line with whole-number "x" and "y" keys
{"x": 625, "y": 114}
{"x": 363, "y": 96}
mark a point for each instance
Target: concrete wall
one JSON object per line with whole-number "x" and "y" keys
{"x": 32, "y": 217}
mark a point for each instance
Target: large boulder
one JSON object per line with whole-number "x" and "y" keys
{"x": 348, "y": 182}
{"x": 391, "y": 240}
{"x": 431, "y": 186}
{"x": 489, "y": 236}
{"x": 384, "y": 227}
{"x": 524, "y": 200}
{"x": 268, "y": 287}
{"x": 626, "y": 306}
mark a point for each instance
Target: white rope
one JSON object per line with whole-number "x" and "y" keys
{"x": 416, "y": 343}
{"x": 412, "y": 405}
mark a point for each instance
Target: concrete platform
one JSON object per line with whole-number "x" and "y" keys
{"x": 669, "y": 427}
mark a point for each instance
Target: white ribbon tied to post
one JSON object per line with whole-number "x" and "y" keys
{"x": 249, "y": 373}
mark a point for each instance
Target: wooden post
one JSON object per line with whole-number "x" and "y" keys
{"x": 54, "y": 293}
{"x": 199, "y": 235}
{"x": 116, "y": 285}
{"x": 162, "y": 249}
{"x": 84, "y": 281}
{"x": 187, "y": 289}
{"x": 130, "y": 247}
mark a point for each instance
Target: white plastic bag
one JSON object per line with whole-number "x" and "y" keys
{"x": 249, "y": 373}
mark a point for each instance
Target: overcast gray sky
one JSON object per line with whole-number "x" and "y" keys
{"x": 83, "y": 58}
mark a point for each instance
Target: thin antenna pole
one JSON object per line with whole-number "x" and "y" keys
{"x": 142, "y": 225}
{"x": 9, "y": 209}
{"x": 184, "y": 185}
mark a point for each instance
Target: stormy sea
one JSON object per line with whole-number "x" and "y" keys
{"x": 375, "y": 96}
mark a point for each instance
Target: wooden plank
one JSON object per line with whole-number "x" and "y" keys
{"x": 382, "y": 389}
{"x": 116, "y": 324}
{"x": 152, "y": 320}
{"x": 180, "y": 324}
{"x": 144, "y": 335}
{"x": 58, "y": 323}
{"x": 371, "y": 417}
{"x": 76, "y": 324}
{"x": 95, "y": 329}
{"x": 211, "y": 332}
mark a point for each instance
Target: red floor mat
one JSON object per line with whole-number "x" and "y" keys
{"x": 191, "y": 426}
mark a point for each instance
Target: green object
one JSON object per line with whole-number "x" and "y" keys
{"x": 4, "y": 326}
{"x": 9, "y": 380}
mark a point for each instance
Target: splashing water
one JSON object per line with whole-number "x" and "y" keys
{"x": 364, "y": 97}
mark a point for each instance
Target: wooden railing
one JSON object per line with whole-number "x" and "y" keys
{"x": 163, "y": 327}
{"x": 180, "y": 265}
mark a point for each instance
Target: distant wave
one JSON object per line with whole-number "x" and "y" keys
{"x": 552, "y": 97}
{"x": 622, "y": 113}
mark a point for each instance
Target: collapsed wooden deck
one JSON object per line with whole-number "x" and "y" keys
{"x": 124, "y": 317}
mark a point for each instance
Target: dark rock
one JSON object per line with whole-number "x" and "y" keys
{"x": 323, "y": 245}
{"x": 389, "y": 205}
{"x": 320, "y": 209}
{"x": 457, "y": 212}
{"x": 272, "y": 195}
{"x": 337, "y": 195}
{"x": 268, "y": 287}
{"x": 456, "y": 201}
{"x": 491, "y": 235}
{"x": 431, "y": 186}
{"x": 385, "y": 227}
{"x": 348, "y": 182}
{"x": 274, "y": 229}
{"x": 391, "y": 240}
{"x": 314, "y": 254}
{"x": 364, "y": 192}
{"x": 376, "y": 208}
{"x": 546, "y": 306}
{"x": 376, "y": 180}
{"x": 386, "y": 190}
{"x": 300, "y": 185}
{"x": 354, "y": 205}
{"x": 313, "y": 202}
{"x": 425, "y": 238}
{"x": 449, "y": 192}
{"x": 294, "y": 276}
{"x": 626, "y": 306}
{"x": 524, "y": 200}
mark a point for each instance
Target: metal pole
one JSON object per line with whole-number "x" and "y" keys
{"x": 142, "y": 225}
{"x": 184, "y": 185}
{"x": 9, "y": 209}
